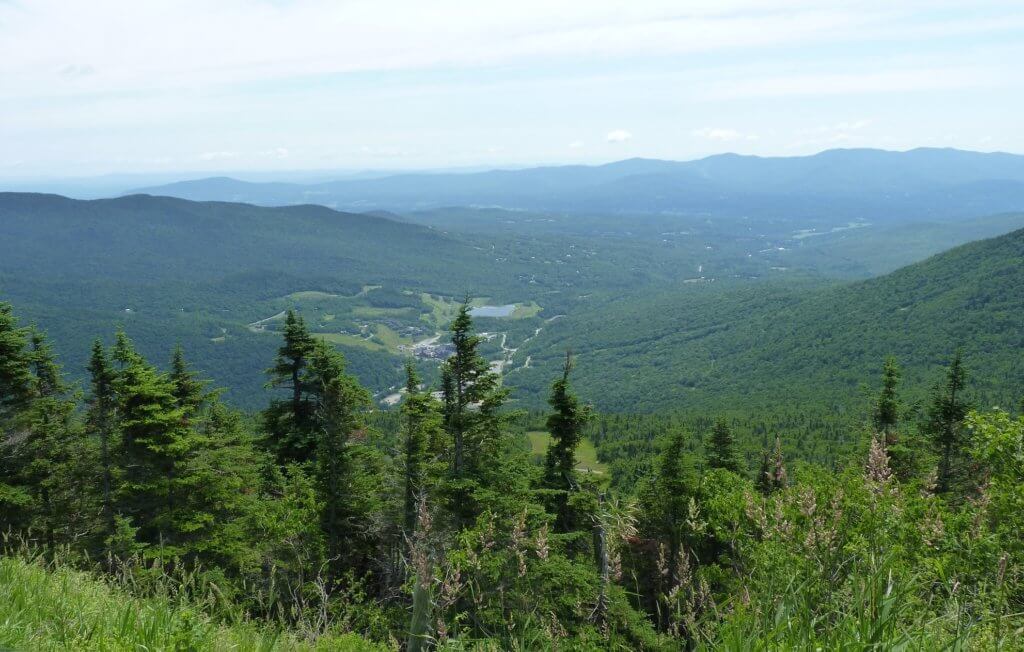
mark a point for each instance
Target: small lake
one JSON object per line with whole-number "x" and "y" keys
{"x": 492, "y": 311}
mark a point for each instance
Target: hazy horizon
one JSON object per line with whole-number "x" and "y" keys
{"x": 254, "y": 86}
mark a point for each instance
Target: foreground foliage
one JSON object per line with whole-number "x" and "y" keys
{"x": 433, "y": 528}
{"x": 54, "y": 607}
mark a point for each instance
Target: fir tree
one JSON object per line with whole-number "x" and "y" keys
{"x": 101, "y": 423}
{"x": 565, "y": 425}
{"x": 188, "y": 389}
{"x": 722, "y": 449}
{"x": 944, "y": 427}
{"x": 885, "y": 416}
{"x": 151, "y": 441}
{"x": 51, "y": 452}
{"x": 124, "y": 350}
{"x": 341, "y": 401}
{"x": 666, "y": 497}
{"x": 289, "y": 422}
{"x": 421, "y": 425}
{"x": 15, "y": 375}
{"x": 216, "y": 483}
{"x": 473, "y": 399}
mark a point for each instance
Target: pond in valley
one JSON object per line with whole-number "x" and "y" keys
{"x": 493, "y": 311}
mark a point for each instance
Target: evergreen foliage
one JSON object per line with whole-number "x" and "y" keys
{"x": 349, "y": 527}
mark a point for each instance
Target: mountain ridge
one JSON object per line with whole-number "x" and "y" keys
{"x": 840, "y": 183}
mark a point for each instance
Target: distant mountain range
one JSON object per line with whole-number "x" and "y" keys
{"x": 834, "y": 185}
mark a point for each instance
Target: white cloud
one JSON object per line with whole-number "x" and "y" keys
{"x": 717, "y": 133}
{"x": 217, "y": 156}
{"x": 276, "y": 152}
{"x": 891, "y": 81}
{"x": 74, "y": 71}
{"x": 577, "y": 144}
{"x": 618, "y": 136}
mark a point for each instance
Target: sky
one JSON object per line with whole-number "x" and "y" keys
{"x": 100, "y": 87}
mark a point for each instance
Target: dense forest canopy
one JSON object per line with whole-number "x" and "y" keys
{"x": 433, "y": 526}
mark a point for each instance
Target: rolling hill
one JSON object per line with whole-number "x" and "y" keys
{"x": 771, "y": 343}
{"x": 202, "y": 273}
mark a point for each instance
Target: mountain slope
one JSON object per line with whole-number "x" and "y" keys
{"x": 170, "y": 270}
{"x": 695, "y": 346}
{"x": 832, "y": 186}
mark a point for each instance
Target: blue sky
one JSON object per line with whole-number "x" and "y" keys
{"x": 89, "y": 88}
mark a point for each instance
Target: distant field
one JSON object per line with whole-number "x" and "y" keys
{"x": 351, "y": 340}
{"x": 524, "y": 310}
{"x": 586, "y": 454}
{"x": 311, "y": 295}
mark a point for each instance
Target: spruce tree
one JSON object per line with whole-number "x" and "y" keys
{"x": 340, "y": 404}
{"x": 722, "y": 449}
{"x": 421, "y": 426}
{"x": 151, "y": 426}
{"x": 51, "y": 452}
{"x": 885, "y": 416}
{"x": 666, "y": 501}
{"x": 101, "y": 423}
{"x": 288, "y": 423}
{"x": 473, "y": 399}
{"x": 945, "y": 423}
{"x": 124, "y": 350}
{"x": 15, "y": 376}
{"x": 188, "y": 389}
{"x": 565, "y": 425}
{"x": 216, "y": 481}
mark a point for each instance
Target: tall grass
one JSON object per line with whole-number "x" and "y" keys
{"x": 51, "y": 606}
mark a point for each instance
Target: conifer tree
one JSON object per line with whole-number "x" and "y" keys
{"x": 15, "y": 395}
{"x": 289, "y": 422}
{"x": 886, "y": 413}
{"x": 421, "y": 425}
{"x": 124, "y": 350}
{"x": 472, "y": 399}
{"x": 15, "y": 376}
{"x": 666, "y": 499}
{"x": 151, "y": 441}
{"x": 722, "y": 449}
{"x": 340, "y": 404}
{"x": 101, "y": 423}
{"x": 944, "y": 427}
{"x": 188, "y": 389}
{"x": 565, "y": 425}
{"x": 50, "y": 452}
{"x": 216, "y": 482}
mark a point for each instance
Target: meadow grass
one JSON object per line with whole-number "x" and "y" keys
{"x": 586, "y": 454}
{"x": 54, "y": 607}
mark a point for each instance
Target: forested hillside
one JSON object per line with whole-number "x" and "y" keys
{"x": 326, "y": 524}
{"x": 687, "y": 311}
{"x": 695, "y": 346}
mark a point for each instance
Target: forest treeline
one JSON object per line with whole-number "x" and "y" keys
{"x": 434, "y": 529}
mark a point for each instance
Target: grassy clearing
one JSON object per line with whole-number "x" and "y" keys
{"x": 373, "y": 311}
{"x": 64, "y": 609}
{"x": 311, "y": 295}
{"x": 586, "y": 454}
{"x": 346, "y": 339}
{"x": 442, "y": 310}
{"x": 390, "y": 338}
{"x": 526, "y": 310}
